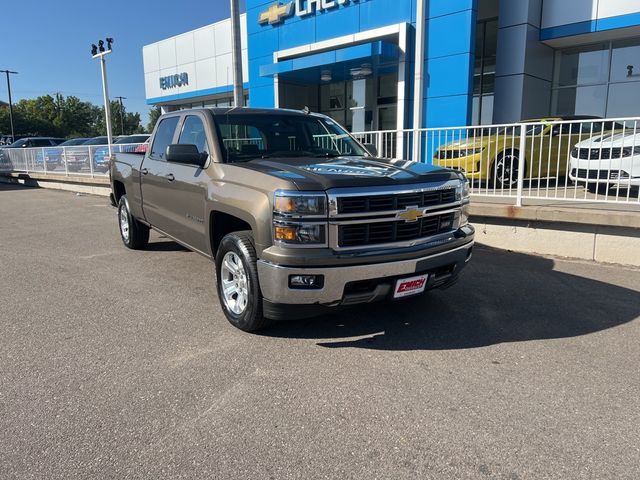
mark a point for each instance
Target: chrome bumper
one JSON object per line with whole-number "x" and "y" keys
{"x": 274, "y": 279}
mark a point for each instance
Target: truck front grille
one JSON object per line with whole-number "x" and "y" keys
{"x": 381, "y": 203}
{"x": 364, "y": 234}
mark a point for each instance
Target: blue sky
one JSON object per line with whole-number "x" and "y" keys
{"x": 48, "y": 42}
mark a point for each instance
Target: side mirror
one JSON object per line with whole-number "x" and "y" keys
{"x": 371, "y": 148}
{"x": 186, "y": 153}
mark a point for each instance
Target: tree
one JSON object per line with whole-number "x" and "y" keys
{"x": 154, "y": 114}
{"x": 130, "y": 120}
{"x": 60, "y": 116}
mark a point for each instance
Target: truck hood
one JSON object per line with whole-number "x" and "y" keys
{"x": 311, "y": 173}
{"x": 611, "y": 139}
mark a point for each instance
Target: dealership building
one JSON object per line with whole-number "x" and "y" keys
{"x": 393, "y": 64}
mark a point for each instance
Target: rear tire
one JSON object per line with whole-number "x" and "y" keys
{"x": 237, "y": 282}
{"x": 134, "y": 234}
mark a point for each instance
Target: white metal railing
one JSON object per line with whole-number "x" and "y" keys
{"x": 588, "y": 160}
{"x": 89, "y": 160}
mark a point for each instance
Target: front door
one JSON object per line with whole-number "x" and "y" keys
{"x": 154, "y": 182}
{"x": 187, "y": 188}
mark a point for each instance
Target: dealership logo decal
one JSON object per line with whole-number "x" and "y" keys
{"x": 277, "y": 12}
{"x": 172, "y": 81}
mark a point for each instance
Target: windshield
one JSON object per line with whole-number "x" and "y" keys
{"x": 96, "y": 141}
{"x": 247, "y": 137}
{"x": 73, "y": 141}
{"x": 132, "y": 139}
{"x": 515, "y": 131}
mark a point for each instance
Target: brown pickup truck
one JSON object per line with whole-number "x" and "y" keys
{"x": 298, "y": 216}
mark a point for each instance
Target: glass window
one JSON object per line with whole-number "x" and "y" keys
{"x": 163, "y": 137}
{"x": 484, "y": 71}
{"x": 388, "y": 85}
{"x": 580, "y": 100}
{"x": 582, "y": 65}
{"x": 625, "y": 61}
{"x": 193, "y": 133}
{"x": 624, "y": 100}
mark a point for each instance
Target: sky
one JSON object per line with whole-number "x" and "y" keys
{"x": 50, "y": 46}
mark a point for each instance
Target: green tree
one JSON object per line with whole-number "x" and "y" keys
{"x": 56, "y": 115}
{"x": 154, "y": 114}
{"x": 130, "y": 121}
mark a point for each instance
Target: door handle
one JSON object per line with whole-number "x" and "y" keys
{"x": 144, "y": 171}
{"x": 170, "y": 177}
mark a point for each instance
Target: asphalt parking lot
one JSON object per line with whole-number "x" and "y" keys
{"x": 120, "y": 364}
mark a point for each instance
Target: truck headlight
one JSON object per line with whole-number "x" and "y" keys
{"x": 299, "y": 204}
{"x": 463, "y": 191}
{"x": 312, "y": 234}
{"x": 464, "y": 215}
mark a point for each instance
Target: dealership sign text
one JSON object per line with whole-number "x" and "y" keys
{"x": 277, "y": 12}
{"x": 172, "y": 81}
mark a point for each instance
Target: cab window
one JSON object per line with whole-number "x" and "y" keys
{"x": 163, "y": 137}
{"x": 193, "y": 133}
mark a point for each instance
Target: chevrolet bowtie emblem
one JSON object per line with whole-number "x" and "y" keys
{"x": 411, "y": 214}
{"x": 275, "y": 13}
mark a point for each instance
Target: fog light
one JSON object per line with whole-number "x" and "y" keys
{"x": 306, "y": 281}
{"x": 285, "y": 233}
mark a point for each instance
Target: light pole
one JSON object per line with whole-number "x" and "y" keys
{"x": 121, "y": 114}
{"x": 236, "y": 47}
{"x": 9, "y": 72}
{"x": 100, "y": 52}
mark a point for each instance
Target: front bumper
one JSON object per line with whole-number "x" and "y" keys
{"x": 616, "y": 172}
{"x": 348, "y": 285}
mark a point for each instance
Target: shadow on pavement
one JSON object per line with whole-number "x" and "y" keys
{"x": 13, "y": 186}
{"x": 165, "y": 246}
{"x": 501, "y": 297}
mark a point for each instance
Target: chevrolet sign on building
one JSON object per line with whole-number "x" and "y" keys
{"x": 277, "y": 12}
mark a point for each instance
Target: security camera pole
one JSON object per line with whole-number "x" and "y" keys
{"x": 100, "y": 52}
{"x": 236, "y": 47}
{"x": 8, "y": 72}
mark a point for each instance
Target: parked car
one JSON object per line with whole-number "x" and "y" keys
{"x": 492, "y": 155}
{"x": 143, "y": 147}
{"x": 30, "y": 142}
{"x": 132, "y": 139}
{"x": 295, "y": 226}
{"x": 77, "y": 157}
{"x": 605, "y": 161}
{"x": 101, "y": 153}
{"x": 35, "y": 157}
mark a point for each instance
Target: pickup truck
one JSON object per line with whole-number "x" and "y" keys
{"x": 298, "y": 216}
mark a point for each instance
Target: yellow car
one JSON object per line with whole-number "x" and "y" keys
{"x": 492, "y": 154}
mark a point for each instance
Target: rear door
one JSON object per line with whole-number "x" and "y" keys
{"x": 154, "y": 182}
{"x": 183, "y": 201}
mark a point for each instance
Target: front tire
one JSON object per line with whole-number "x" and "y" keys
{"x": 237, "y": 282}
{"x": 505, "y": 169}
{"x": 134, "y": 234}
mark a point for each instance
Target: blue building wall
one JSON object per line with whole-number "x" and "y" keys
{"x": 449, "y": 36}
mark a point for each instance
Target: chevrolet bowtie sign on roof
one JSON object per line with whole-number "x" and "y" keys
{"x": 277, "y": 12}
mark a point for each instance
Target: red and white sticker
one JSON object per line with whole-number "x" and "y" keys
{"x": 410, "y": 286}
